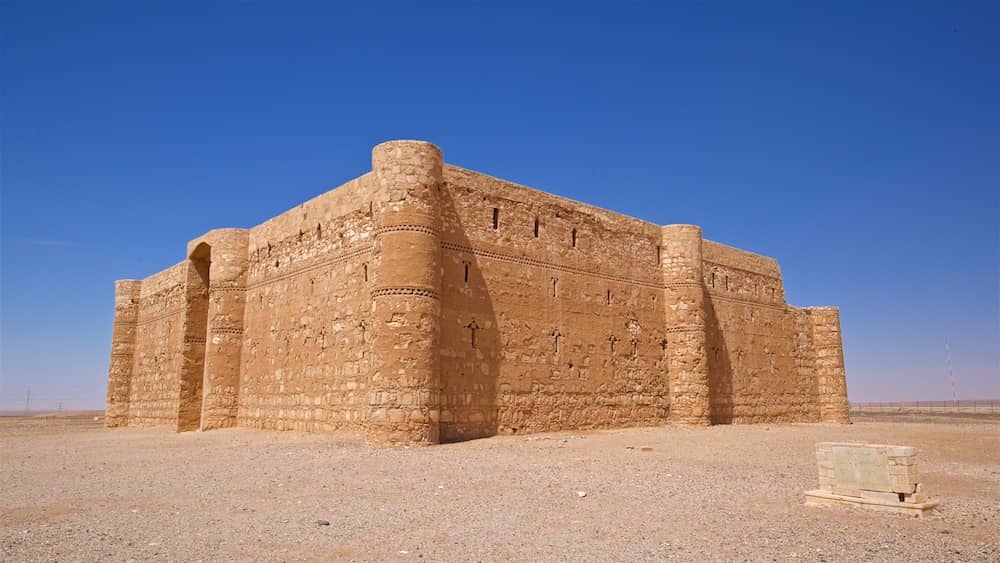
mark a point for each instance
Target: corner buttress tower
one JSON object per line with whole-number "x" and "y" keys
{"x": 829, "y": 361}
{"x": 225, "y": 251}
{"x": 404, "y": 382}
{"x": 687, "y": 356}
{"x": 122, "y": 352}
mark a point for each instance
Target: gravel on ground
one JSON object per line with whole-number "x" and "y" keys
{"x": 73, "y": 491}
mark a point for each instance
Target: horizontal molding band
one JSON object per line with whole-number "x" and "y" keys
{"x": 406, "y": 228}
{"x": 225, "y": 288}
{"x": 686, "y": 328}
{"x": 405, "y": 291}
{"x": 311, "y": 266}
{"x": 681, "y": 285}
{"x": 744, "y": 270}
{"x": 545, "y": 265}
{"x": 161, "y": 316}
{"x": 579, "y": 271}
{"x": 766, "y": 305}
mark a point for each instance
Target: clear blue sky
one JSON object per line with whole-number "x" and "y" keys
{"x": 857, "y": 142}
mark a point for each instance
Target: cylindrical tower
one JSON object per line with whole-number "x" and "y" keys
{"x": 122, "y": 349}
{"x": 404, "y": 382}
{"x": 228, "y": 260}
{"x": 684, "y": 292}
{"x": 830, "y": 373}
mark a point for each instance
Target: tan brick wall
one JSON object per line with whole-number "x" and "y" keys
{"x": 760, "y": 349}
{"x": 226, "y": 254}
{"x": 424, "y": 302}
{"x": 304, "y": 357}
{"x": 159, "y": 346}
{"x": 829, "y": 364}
{"x": 404, "y": 383}
{"x": 568, "y": 335}
{"x": 123, "y": 338}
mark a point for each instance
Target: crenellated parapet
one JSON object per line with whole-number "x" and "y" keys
{"x": 684, "y": 306}
{"x": 829, "y": 369}
{"x": 404, "y": 382}
{"x": 123, "y": 336}
{"x": 226, "y": 253}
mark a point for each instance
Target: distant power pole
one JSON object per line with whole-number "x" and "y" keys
{"x": 27, "y": 402}
{"x": 60, "y": 406}
{"x": 951, "y": 374}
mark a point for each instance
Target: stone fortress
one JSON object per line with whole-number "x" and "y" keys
{"x": 423, "y": 303}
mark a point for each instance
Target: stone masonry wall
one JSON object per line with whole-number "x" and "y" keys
{"x": 828, "y": 349}
{"x": 159, "y": 347}
{"x": 423, "y": 302}
{"x": 404, "y": 383}
{"x": 123, "y": 337}
{"x": 547, "y": 323}
{"x": 223, "y": 252}
{"x": 304, "y": 358}
{"x": 757, "y": 369}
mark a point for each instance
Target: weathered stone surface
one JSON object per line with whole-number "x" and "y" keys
{"x": 122, "y": 352}
{"x": 861, "y": 468}
{"x": 422, "y": 302}
{"x": 870, "y": 475}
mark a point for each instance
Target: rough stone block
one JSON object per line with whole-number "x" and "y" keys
{"x": 866, "y": 475}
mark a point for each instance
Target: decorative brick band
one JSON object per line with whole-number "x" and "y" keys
{"x": 679, "y": 285}
{"x": 312, "y": 266}
{"x": 686, "y": 328}
{"x": 225, "y": 288}
{"x": 425, "y": 229}
{"x": 194, "y": 339}
{"x": 226, "y": 330}
{"x": 122, "y": 354}
{"x": 414, "y": 291}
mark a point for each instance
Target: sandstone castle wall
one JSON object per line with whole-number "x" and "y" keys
{"x": 422, "y": 302}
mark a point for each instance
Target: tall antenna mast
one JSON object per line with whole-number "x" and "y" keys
{"x": 27, "y": 402}
{"x": 951, "y": 374}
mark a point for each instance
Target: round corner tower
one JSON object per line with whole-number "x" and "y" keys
{"x": 404, "y": 382}
{"x": 830, "y": 373}
{"x": 122, "y": 350}
{"x": 684, "y": 292}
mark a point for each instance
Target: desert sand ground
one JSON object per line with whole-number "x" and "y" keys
{"x": 73, "y": 491}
